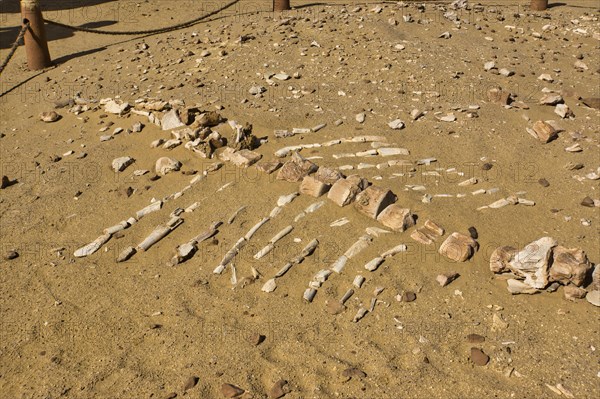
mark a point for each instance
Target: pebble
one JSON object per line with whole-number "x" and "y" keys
{"x": 588, "y": 202}
{"x": 256, "y": 339}
{"x": 544, "y": 183}
{"x": 9, "y": 255}
{"x": 190, "y": 383}
{"x": 279, "y": 390}
{"x": 231, "y": 391}
{"x": 475, "y": 339}
{"x": 478, "y": 357}
{"x": 256, "y": 90}
{"x": 353, "y": 372}
{"x": 506, "y": 72}
{"x": 406, "y": 296}
{"x": 5, "y": 182}
{"x": 489, "y": 65}
{"x": 360, "y": 118}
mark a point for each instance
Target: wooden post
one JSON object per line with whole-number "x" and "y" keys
{"x": 538, "y": 5}
{"x": 281, "y": 5}
{"x": 36, "y": 46}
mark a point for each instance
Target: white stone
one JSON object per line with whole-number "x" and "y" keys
{"x": 396, "y": 124}
{"x": 121, "y": 163}
{"x": 532, "y": 262}
{"x": 171, "y": 120}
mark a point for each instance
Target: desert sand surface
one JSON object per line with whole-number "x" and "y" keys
{"x": 416, "y": 75}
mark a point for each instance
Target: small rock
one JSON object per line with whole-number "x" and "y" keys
{"x": 543, "y": 131}
{"x": 10, "y": 255}
{"x": 256, "y": 90}
{"x": 572, "y": 293}
{"x": 121, "y": 163}
{"x": 445, "y": 35}
{"x": 49, "y": 117}
{"x": 506, "y": 72}
{"x": 446, "y": 278}
{"x": 475, "y": 339}
{"x": 279, "y": 390}
{"x": 489, "y": 65}
{"x": 113, "y": 107}
{"x": 518, "y": 287}
{"x": 564, "y": 111}
{"x": 281, "y": 76}
{"x": 593, "y": 297}
{"x": 396, "y": 124}
{"x": 478, "y": 357}
{"x": 569, "y": 266}
{"x": 353, "y": 372}
{"x": 551, "y": 99}
{"x": 544, "y": 183}
{"x": 166, "y": 165}
{"x": 407, "y": 296}
{"x": 459, "y": 247}
{"x": 587, "y": 201}
{"x": 190, "y": 383}
{"x": 231, "y": 391}
{"x": 171, "y": 120}
{"x": 396, "y": 218}
{"x": 546, "y": 77}
{"x": 360, "y": 118}
{"x": 296, "y": 168}
{"x": 6, "y": 182}
{"x": 256, "y": 339}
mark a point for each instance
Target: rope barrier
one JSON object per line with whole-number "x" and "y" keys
{"x": 14, "y": 47}
{"x": 144, "y": 32}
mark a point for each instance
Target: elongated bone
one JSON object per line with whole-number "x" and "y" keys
{"x": 309, "y": 248}
{"x": 373, "y": 303}
{"x": 284, "y": 269}
{"x": 153, "y": 207}
{"x": 339, "y": 264}
{"x": 397, "y": 249}
{"x": 322, "y": 275}
{"x": 309, "y": 294}
{"x": 374, "y": 264}
{"x": 358, "y": 281}
{"x": 255, "y": 228}
{"x": 309, "y": 209}
{"x": 362, "y": 312}
{"x": 347, "y": 296}
{"x": 159, "y": 233}
{"x": 229, "y": 255}
{"x": 192, "y": 207}
{"x": 235, "y": 214}
{"x": 275, "y": 211}
{"x": 126, "y": 254}
{"x": 286, "y": 199}
{"x": 265, "y": 250}
{"x": 269, "y": 247}
{"x": 233, "y": 275}
{"x": 362, "y": 243}
{"x": 285, "y": 231}
{"x": 212, "y": 230}
{"x": 116, "y": 228}
{"x": 92, "y": 247}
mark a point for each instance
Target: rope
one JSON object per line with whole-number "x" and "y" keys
{"x": 14, "y": 46}
{"x": 144, "y": 32}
